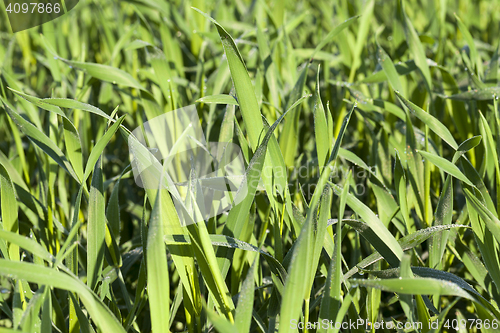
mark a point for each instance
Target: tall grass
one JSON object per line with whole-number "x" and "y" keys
{"x": 370, "y": 135}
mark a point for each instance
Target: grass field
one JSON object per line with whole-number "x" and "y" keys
{"x": 370, "y": 135}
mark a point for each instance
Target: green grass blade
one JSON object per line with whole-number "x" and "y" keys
{"x": 43, "y": 141}
{"x": 218, "y": 99}
{"x": 243, "y": 317}
{"x": 100, "y": 145}
{"x": 377, "y": 234}
{"x": 446, "y": 166}
{"x": 474, "y": 55}
{"x": 390, "y": 70}
{"x": 406, "y": 243}
{"x": 435, "y": 125}
{"x": 100, "y": 313}
{"x": 320, "y": 127}
{"x": 157, "y": 270}
{"x": 9, "y": 211}
{"x": 415, "y": 286}
{"x": 243, "y": 85}
{"x": 492, "y": 222}
{"x": 96, "y": 227}
{"x": 105, "y": 73}
{"x": 416, "y": 47}
{"x": 73, "y": 147}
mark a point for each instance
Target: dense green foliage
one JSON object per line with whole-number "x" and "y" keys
{"x": 374, "y": 130}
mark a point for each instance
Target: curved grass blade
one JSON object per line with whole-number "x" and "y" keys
{"x": 243, "y": 85}
{"x": 406, "y": 243}
{"x": 74, "y": 104}
{"x": 446, "y": 166}
{"x": 100, "y": 145}
{"x": 492, "y": 222}
{"x": 244, "y": 309}
{"x": 390, "y": 70}
{"x": 41, "y": 140}
{"x": 105, "y": 73}
{"x": 474, "y": 56}
{"x": 435, "y": 125}
{"x": 100, "y": 313}
{"x": 374, "y": 230}
{"x": 416, "y": 47}
{"x": 218, "y": 99}
{"x": 39, "y": 102}
{"x": 232, "y": 243}
{"x": 476, "y": 94}
{"x": 414, "y": 286}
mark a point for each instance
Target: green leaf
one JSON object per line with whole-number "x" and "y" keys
{"x": 243, "y": 317}
{"x": 157, "y": 269}
{"x": 474, "y": 56}
{"x": 74, "y": 104}
{"x": 243, "y": 85}
{"x": 492, "y": 222}
{"x": 8, "y": 209}
{"x": 443, "y": 217}
{"x": 73, "y": 147}
{"x": 435, "y": 125}
{"x": 41, "y": 140}
{"x": 446, "y": 166}
{"x": 105, "y": 73}
{"x": 96, "y": 228}
{"x": 100, "y": 145}
{"x": 484, "y": 94}
{"x": 374, "y": 230}
{"x": 416, "y": 47}
{"x": 406, "y": 243}
{"x": 100, "y": 313}
{"x": 414, "y": 286}
{"x": 320, "y": 127}
{"x": 218, "y": 99}
{"x": 390, "y": 70}
{"x": 40, "y": 103}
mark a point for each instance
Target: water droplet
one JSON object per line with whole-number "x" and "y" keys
{"x": 114, "y": 82}
{"x": 361, "y": 272}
